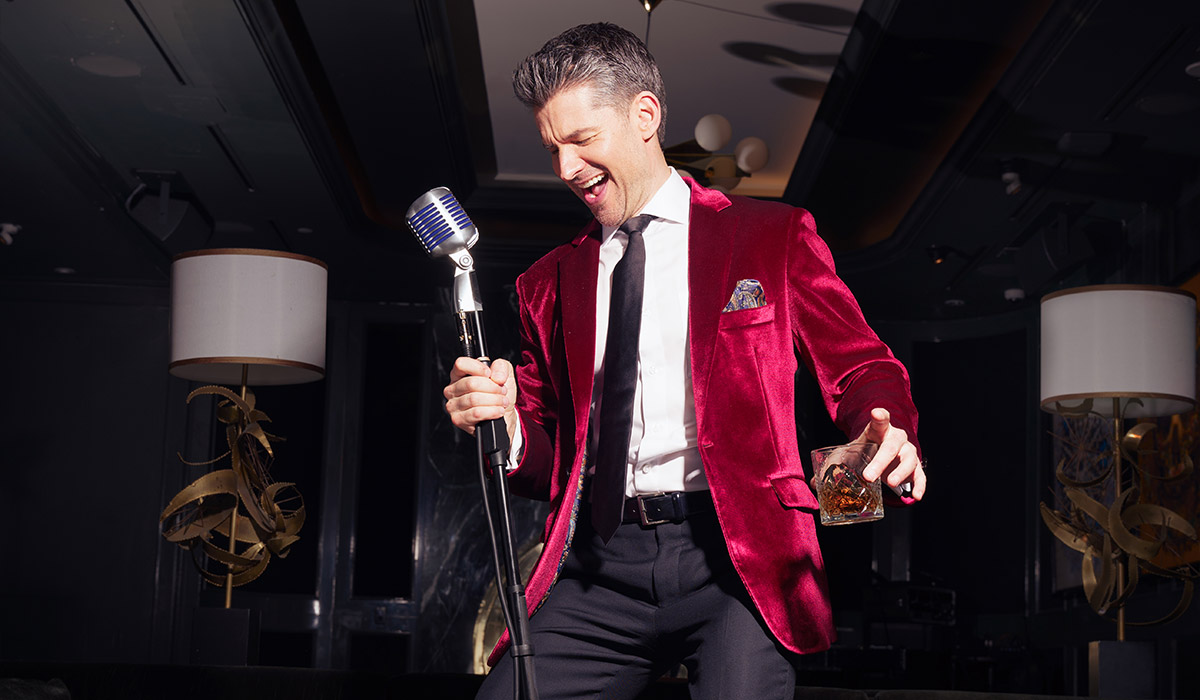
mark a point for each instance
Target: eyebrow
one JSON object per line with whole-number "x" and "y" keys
{"x": 574, "y": 135}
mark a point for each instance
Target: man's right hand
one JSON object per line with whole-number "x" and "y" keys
{"x": 477, "y": 392}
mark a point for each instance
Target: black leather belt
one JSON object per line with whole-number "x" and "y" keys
{"x": 658, "y": 508}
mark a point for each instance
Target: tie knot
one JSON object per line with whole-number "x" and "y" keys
{"x": 636, "y": 224}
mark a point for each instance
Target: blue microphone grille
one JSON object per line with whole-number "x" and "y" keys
{"x": 440, "y": 224}
{"x": 430, "y": 227}
{"x": 461, "y": 220}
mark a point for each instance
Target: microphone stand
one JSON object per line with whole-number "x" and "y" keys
{"x": 493, "y": 446}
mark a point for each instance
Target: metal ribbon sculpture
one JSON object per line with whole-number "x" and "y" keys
{"x": 1105, "y": 534}
{"x": 263, "y": 514}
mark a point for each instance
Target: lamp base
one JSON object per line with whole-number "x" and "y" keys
{"x": 225, "y": 637}
{"x": 1121, "y": 669}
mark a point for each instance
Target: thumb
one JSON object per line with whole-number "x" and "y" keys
{"x": 501, "y": 371}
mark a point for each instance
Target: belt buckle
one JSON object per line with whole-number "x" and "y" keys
{"x": 647, "y": 522}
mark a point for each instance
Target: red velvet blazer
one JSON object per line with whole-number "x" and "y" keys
{"x": 742, "y": 371}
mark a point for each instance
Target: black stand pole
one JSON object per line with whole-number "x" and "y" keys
{"x": 493, "y": 453}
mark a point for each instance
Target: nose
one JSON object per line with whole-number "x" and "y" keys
{"x": 568, "y": 163}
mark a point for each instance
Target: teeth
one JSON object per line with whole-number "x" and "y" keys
{"x": 593, "y": 182}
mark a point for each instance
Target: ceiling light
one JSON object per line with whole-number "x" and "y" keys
{"x": 107, "y": 66}
{"x": 1012, "y": 182}
{"x": 6, "y": 232}
{"x": 65, "y": 270}
{"x": 1010, "y": 177}
{"x": 1193, "y": 70}
{"x": 938, "y": 253}
{"x": 701, "y": 158}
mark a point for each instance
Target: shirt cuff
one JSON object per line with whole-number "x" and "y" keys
{"x": 518, "y": 447}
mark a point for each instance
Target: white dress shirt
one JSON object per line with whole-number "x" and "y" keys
{"x": 662, "y": 447}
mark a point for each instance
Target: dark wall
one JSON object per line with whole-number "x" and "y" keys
{"x": 971, "y": 529}
{"x": 84, "y": 423}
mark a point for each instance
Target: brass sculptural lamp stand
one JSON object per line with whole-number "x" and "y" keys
{"x": 1117, "y": 352}
{"x": 246, "y": 317}
{"x": 233, "y": 519}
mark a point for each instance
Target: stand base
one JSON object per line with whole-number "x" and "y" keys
{"x": 225, "y": 637}
{"x": 1121, "y": 669}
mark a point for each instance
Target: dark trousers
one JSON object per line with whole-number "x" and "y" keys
{"x": 624, "y": 613}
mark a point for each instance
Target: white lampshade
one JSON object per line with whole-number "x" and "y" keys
{"x": 261, "y": 308}
{"x": 1119, "y": 341}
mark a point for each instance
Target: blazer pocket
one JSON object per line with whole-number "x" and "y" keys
{"x": 793, "y": 492}
{"x": 747, "y": 317}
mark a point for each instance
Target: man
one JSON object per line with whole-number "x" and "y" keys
{"x": 714, "y": 562}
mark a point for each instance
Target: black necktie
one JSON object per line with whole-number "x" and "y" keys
{"x": 620, "y": 380}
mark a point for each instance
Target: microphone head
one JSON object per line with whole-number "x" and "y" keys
{"x": 440, "y": 224}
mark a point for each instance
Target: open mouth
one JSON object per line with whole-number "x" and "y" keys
{"x": 593, "y": 189}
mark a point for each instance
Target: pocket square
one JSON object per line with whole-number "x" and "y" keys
{"x": 748, "y": 294}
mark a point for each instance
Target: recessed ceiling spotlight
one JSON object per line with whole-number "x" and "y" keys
{"x": 107, "y": 66}
{"x": 65, "y": 270}
{"x": 304, "y": 229}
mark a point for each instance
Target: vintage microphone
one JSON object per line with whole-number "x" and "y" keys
{"x": 445, "y": 230}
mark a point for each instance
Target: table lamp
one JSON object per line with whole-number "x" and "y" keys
{"x": 1119, "y": 352}
{"x": 242, "y": 317}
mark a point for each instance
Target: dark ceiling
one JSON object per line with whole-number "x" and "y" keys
{"x": 310, "y": 126}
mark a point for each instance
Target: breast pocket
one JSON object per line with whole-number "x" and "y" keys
{"x": 747, "y": 317}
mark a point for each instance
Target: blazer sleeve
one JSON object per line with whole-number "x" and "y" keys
{"x": 855, "y": 370}
{"x": 537, "y": 404}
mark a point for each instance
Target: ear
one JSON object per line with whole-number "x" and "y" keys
{"x": 646, "y": 113}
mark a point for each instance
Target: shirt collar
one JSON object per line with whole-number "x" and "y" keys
{"x": 672, "y": 202}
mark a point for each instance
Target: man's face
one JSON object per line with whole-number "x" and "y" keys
{"x": 600, "y": 152}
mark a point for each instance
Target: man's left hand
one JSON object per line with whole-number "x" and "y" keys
{"x": 896, "y": 458}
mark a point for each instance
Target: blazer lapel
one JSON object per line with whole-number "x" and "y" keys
{"x": 577, "y": 289}
{"x": 711, "y": 232}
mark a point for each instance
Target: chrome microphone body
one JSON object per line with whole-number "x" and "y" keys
{"x": 445, "y": 230}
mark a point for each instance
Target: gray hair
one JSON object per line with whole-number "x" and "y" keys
{"x": 614, "y": 62}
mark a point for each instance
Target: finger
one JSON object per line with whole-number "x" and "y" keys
{"x": 877, "y": 429}
{"x": 918, "y": 491}
{"x": 474, "y": 392}
{"x": 468, "y": 367}
{"x": 888, "y": 454}
{"x": 472, "y": 385}
{"x": 504, "y": 375}
{"x": 469, "y": 417}
{"x": 467, "y": 411}
{"x": 903, "y": 466}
